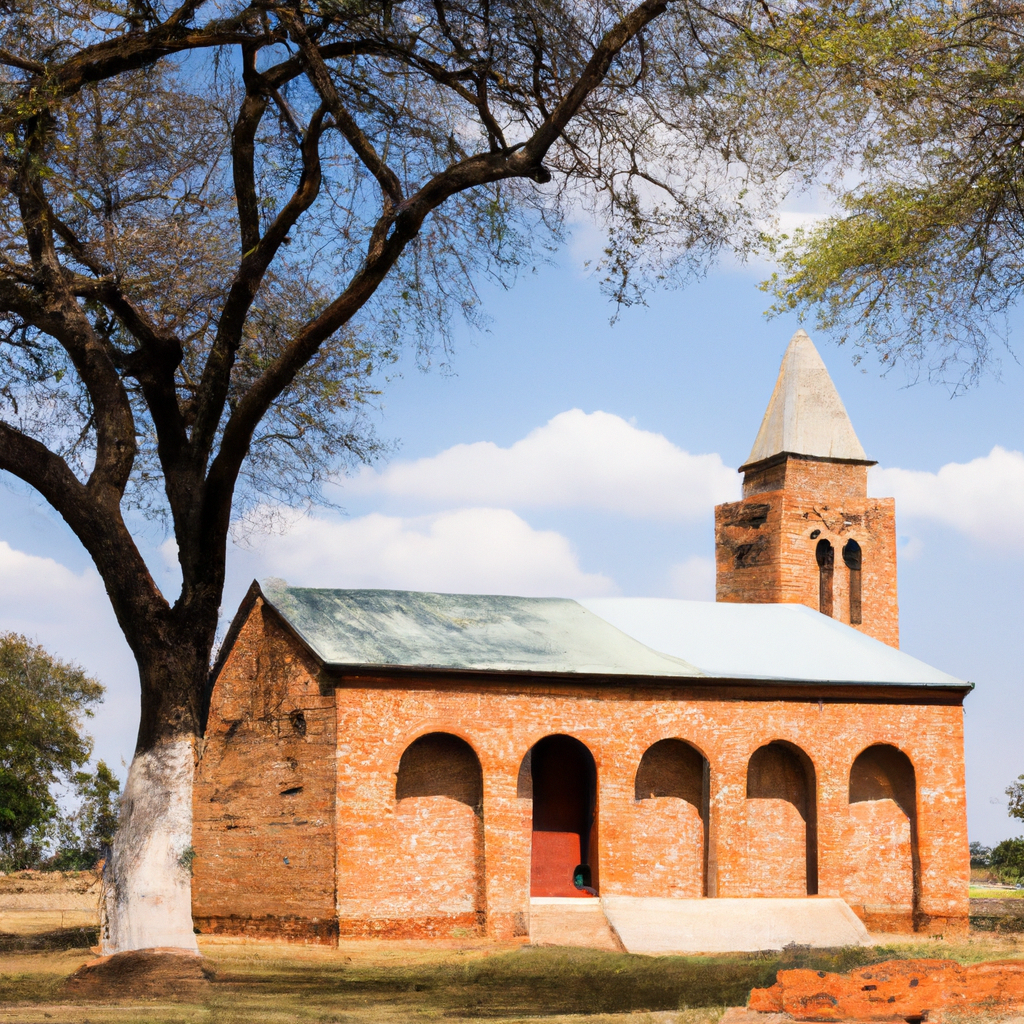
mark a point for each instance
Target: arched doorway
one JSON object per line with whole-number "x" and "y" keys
{"x": 438, "y": 853}
{"x": 670, "y": 834}
{"x": 782, "y": 822}
{"x": 562, "y": 779}
{"x": 883, "y": 880}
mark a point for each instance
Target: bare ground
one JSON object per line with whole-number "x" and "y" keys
{"x": 383, "y": 982}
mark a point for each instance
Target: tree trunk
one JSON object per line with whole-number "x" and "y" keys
{"x": 147, "y": 877}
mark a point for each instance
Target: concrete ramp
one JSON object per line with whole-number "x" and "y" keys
{"x": 570, "y": 921}
{"x": 656, "y": 925}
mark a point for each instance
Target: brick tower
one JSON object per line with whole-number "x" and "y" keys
{"x": 805, "y": 531}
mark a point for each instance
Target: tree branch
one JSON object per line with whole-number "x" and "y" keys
{"x": 243, "y": 152}
{"x": 65, "y": 321}
{"x": 320, "y": 77}
{"x": 213, "y": 387}
{"x": 101, "y": 530}
{"x": 388, "y": 240}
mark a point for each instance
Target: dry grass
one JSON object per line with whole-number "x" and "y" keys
{"x": 381, "y": 983}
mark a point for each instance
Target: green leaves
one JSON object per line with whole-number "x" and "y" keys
{"x": 921, "y": 260}
{"x": 42, "y": 703}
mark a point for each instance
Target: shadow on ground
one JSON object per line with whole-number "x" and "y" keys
{"x": 378, "y": 982}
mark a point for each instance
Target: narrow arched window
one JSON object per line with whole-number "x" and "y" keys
{"x": 852, "y": 558}
{"x": 826, "y": 557}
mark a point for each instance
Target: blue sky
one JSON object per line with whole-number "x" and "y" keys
{"x": 606, "y": 450}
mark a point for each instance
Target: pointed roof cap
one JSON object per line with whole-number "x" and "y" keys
{"x": 805, "y": 415}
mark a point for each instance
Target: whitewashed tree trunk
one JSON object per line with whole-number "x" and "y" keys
{"x": 147, "y": 879}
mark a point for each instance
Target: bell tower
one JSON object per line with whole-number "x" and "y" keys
{"x": 805, "y": 531}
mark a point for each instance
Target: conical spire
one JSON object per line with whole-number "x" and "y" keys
{"x": 805, "y": 415}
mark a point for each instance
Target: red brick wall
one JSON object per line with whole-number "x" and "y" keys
{"x": 880, "y": 880}
{"x": 264, "y": 797}
{"x": 776, "y": 849}
{"x": 668, "y": 848}
{"x": 764, "y": 551}
{"x": 430, "y": 863}
{"x": 363, "y": 862}
{"x": 377, "y": 722}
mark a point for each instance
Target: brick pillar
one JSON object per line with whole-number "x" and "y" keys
{"x": 508, "y": 827}
{"x": 616, "y": 772}
{"x": 728, "y": 825}
{"x": 942, "y": 825}
{"x": 831, "y": 766}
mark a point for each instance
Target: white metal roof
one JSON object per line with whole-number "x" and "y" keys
{"x": 805, "y": 415}
{"x": 627, "y": 636}
{"x": 764, "y": 641}
{"x": 401, "y": 628}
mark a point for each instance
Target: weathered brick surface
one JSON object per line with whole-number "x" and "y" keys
{"x": 430, "y": 865}
{"x": 668, "y": 848}
{"x": 776, "y": 853}
{"x": 880, "y": 879}
{"x": 264, "y": 793}
{"x": 765, "y": 551}
{"x": 894, "y": 991}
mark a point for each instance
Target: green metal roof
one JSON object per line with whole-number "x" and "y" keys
{"x": 464, "y": 631}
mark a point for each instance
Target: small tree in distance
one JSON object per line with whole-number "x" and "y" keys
{"x": 84, "y": 837}
{"x": 1015, "y": 791}
{"x": 42, "y": 704}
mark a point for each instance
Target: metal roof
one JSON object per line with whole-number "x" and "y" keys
{"x": 464, "y": 631}
{"x": 630, "y": 636}
{"x": 805, "y": 415}
{"x": 765, "y": 641}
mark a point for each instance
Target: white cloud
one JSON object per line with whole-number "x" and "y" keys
{"x": 983, "y": 498}
{"x": 474, "y": 550}
{"x": 694, "y": 579}
{"x": 34, "y": 588}
{"x": 576, "y": 460}
{"x": 69, "y": 614}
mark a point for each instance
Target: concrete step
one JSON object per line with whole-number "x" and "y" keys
{"x": 571, "y": 921}
{"x": 659, "y": 925}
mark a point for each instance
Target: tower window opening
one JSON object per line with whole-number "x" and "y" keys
{"x": 852, "y": 558}
{"x": 826, "y": 556}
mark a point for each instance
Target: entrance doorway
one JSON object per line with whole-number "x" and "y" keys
{"x": 564, "y": 784}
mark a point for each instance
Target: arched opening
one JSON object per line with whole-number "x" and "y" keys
{"x": 852, "y": 558}
{"x": 826, "y": 557}
{"x": 884, "y": 867}
{"x": 670, "y": 836}
{"x": 782, "y": 816}
{"x": 438, "y": 854}
{"x": 440, "y": 764}
{"x": 560, "y": 773}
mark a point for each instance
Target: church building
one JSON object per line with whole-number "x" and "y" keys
{"x": 632, "y": 773}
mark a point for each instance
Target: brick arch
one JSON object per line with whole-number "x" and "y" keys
{"x": 559, "y": 774}
{"x": 670, "y": 831}
{"x": 782, "y": 821}
{"x": 437, "y": 850}
{"x": 441, "y": 764}
{"x": 883, "y": 882}
{"x": 427, "y": 727}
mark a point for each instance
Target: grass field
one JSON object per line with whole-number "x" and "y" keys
{"x": 381, "y": 983}
{"x": 983, "y": 892}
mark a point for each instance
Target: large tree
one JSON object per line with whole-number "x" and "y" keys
{"x": 921, "y": 262}
{"x": 219, "y": 218}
